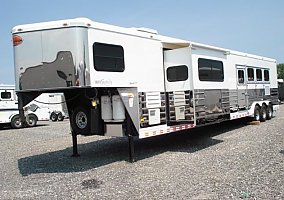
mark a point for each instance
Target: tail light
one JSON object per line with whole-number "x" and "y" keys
{"x": 17, "y": 40}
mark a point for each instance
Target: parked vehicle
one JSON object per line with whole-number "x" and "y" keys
{"x": 134, "y": 82}
{"x": 56, "y": 105}
{"x": 9, "y": 113}
{"x": 46, "y": 106}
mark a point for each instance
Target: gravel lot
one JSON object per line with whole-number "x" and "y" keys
{"x": 231, "y": 160}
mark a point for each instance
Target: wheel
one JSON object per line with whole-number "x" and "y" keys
{"x": 263, "y": 113}
{"x": 269, "y": 112}
{"x": 53, "y": 117}
{"x": 256, "y": 113}
{"x": 60, "y": 116}
{"x": 15, "y": 122}
{"x": 80, "y": 121}
{"x": 31, "y": 120}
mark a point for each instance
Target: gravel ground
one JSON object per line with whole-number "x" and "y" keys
{"x": 231, "y": 160}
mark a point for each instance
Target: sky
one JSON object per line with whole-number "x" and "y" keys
{"x": 251, "y": 26}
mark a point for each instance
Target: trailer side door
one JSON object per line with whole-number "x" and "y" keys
{"x": 242, "y": 86}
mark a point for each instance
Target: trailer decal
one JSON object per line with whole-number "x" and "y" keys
{"x": 149, "y": 132}
{"x": 238, "y": 115}
{"x": 58, "y": 73}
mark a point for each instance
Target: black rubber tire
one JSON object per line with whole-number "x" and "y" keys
{"x": 31, "y": 120}
{"x": 256, "y": 113}
{"x": 53, "y": 117}
{"x": 80, "y": 121}
{"x": 263, "y": 113}
{"x": 15, "y": 122}
{"x": 60, "y": 117}
{"x": 269, "y": 112}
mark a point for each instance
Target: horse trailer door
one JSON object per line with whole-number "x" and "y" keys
{"x": 242, "y": 87}
{"x": 178, "y": 85}
{"x": 177, "y": 66}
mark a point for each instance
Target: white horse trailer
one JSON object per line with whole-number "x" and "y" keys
{"x": 55, "y": 103}
{"x": 9, "y": 113}
{"x": 134, "y": 82}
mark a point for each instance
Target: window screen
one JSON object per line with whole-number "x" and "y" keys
{"x": 266, "y": 75}
{"x": 250, "y": 74}
{"x": 210, "y": 70}
{"x": 258, "y": 74}
{"x": 5, "y": 95}
{"x": 177, "y": 73}
{"x": 108, "y": 57}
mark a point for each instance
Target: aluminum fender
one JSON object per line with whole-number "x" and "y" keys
{"x": 251, "y": 110}
{"x": 129, "y": 98}
{"x": 275, "y": 108}
{"x": 12, "y": 115}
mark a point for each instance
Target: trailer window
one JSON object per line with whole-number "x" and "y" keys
{"x": 6, "y": 95}
{"x": 241, "y": 76}
{"x": 177, "y": 73}
{"x": 258, "y": 74}
{"x": 108, "y": 57}
{"x": 250, "y": 74}
{"x": 266, "y": 75}
{"x": 210, "y": 70}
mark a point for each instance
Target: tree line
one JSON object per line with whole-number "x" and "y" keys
{"x": 280, "y": 70}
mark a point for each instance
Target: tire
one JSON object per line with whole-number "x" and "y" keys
{"x": 256, "y": 113}
{"x": 31, "y": 120}
{"x": 53, "y": 117}
{"x": 80, "y": 121}
{"x": 269, "y": 112}
{"x": 60, "y": 116}
{"x": 15, "y": 122}
{"x": 263, "y": 113}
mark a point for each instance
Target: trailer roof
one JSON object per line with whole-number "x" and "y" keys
{"x": 7, "y": 87}
{"x": 51, "y": 25}
{"x": 168, "y": 42}
{"x": 84, "y": 22}
{"x": 232, "y": 52}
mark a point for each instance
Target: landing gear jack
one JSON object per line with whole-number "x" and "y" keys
{"x": 131, "y": 148}
{"x": 21, "y": 109}
{"x": 75, "y": 145}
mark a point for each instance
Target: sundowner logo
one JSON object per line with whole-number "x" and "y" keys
{"x": 103, "y": 82}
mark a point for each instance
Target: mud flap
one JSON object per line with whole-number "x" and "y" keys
{"x": 97, "y": 124}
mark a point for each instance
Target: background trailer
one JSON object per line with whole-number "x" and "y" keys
{"x": 40, "y": 109}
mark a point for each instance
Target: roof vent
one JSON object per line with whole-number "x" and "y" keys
{"x": 147, "y": 30}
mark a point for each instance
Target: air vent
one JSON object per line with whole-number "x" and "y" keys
{"x": 147, "y": 30}
{"x": 153, "y": 99}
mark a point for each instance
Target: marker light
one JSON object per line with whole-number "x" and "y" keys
{"x": 77, "y": 82}
{"x": 17, "y": 40}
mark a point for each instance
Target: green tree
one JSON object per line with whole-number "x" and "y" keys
{"x": 280, "y": 70}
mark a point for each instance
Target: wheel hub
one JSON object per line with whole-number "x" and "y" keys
{"x": 81, "y": 120}
{"x": 264, "y": 115}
